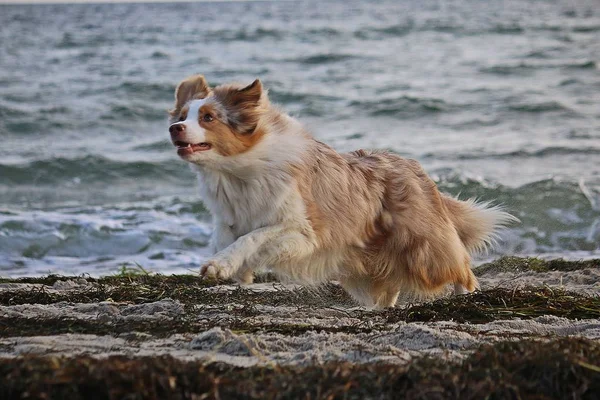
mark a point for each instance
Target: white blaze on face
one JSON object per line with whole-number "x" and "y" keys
{"x": 194, "y": 133}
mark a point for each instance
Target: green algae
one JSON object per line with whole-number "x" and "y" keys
{"x": 519, "y": 264}
{"x": 196, "y": 295}
{"x": 500, "y": 303}
{"x": 558, "y": 369}
{"x": 479, "y": 307}
{"x": 190, "y": 292}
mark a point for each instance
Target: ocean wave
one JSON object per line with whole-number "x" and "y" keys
{"x": 7, "y": 112}
{"x": 88, "y": 169}
{"x": 507, "y": 29}
{"x": 404, "y": 106}
{"x": 396, "y": 30}
{"x": 540, "y": 107}
{"x": 32, "y": 126}
{"x": 286, "y": 97}
{"x": 34, "y": 119}
{"x": 312, "y": 104}
{"x": 133, "y": 90}
{"x": 71, "y": 41}
{"x": 104, "y": 236}
{"x": 474, "y": 123}
{"x": 546, "y": 53}
{"x": 133, "y": 110}
{"x": 524, "y": 68}
{"x": 158, "y": 146}
{"x": 160, "y": 55}
{"x": 410, "y": 26}
{"x": 468, "y": 71}
{"x": 173, "y": 231}
{"x": 582, "y": 65}
{"x": 543, "y": 152}
{"x": 243, "y": 35}
{"x": 324, "y": 58}
{"x": 585, "y": 28}
{"x": 569, "y": 82}
{"x": 146, "y": 90}
{"x": 555, "y": 215}
{"x": 323, "y": 32}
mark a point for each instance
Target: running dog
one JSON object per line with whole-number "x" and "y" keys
{"x": 281, "y": 199}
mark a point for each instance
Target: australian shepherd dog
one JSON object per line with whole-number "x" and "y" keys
{"x": 280, "y": 199}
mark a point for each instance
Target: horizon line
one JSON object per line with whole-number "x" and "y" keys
{"x": 57, "y": 2}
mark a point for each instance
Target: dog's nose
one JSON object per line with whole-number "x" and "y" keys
{"x": 175, "y": 129}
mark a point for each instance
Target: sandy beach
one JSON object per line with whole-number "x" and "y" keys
{"x": 49, "y": 325}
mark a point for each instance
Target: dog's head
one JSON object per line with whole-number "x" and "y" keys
{"x": 208, "y": 125}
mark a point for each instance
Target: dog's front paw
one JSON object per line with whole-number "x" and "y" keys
{"x": 217, "y": 268}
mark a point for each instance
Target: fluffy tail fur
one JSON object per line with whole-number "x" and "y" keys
{"x": 477, "y": 223}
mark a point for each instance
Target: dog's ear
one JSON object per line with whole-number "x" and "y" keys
{"x": 245, "y": 106}
{"x": 194, "y": 87}
{"x": 248, "y": 96}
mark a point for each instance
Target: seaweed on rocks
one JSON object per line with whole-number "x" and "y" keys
{"x": 558, "y": 369}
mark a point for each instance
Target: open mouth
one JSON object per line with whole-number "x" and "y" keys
{"x": 184, "y": 148}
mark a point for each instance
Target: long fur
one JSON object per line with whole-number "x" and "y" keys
{"x": 281, "y": 199}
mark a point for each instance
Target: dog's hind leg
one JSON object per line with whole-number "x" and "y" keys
{"x": 358, "y": 288}
{"x": 387, "y": 298}
{"x": 468, "y": 284}
{"x": 369, "y": 293}
{"x": 244, "y": 276}
{"x": 459, "y": 289}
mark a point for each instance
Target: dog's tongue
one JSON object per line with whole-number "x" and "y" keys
{"x": 191, "y": 148}
{"x": 201, "y": 146}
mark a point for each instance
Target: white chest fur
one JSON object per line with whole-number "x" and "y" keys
{"x": 248, "y": 204}
{"x": 255, "y": 189}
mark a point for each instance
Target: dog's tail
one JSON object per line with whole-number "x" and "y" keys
{"x": 477, "y": 223}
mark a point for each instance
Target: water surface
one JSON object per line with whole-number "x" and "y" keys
{"x": 498, "y": 100}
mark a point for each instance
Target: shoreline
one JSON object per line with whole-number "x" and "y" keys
{"x": 71, "y": 333}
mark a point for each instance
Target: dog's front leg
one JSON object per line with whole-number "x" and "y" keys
{"x": 289, "y": 247}
{"x": 222, "y": 237}
{"x": 228, "y": 261}
{"x": 262, "y": 247}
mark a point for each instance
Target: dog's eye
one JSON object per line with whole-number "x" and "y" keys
{"x": 207, "y": 118}
{"x": 181, "y": 118}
